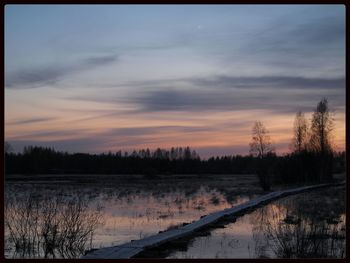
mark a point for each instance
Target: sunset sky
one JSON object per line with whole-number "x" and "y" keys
{"x": 83, "y": 78}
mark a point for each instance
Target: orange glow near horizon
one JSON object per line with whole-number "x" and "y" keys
{"x": 127, "y": 130}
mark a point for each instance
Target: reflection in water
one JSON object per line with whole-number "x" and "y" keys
{"x": 128, "y": 213}
{"x": 309, "y": 225}
{"x": 140, "y": 215}
{"x": 312, "y": 227}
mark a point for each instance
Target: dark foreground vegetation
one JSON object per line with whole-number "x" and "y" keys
{"x": 53, "y": 226}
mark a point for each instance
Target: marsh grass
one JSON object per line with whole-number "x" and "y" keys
{"x": 310, "y": 227}
{"x": 50, "y": 227}
{"x": 305, "y": 239}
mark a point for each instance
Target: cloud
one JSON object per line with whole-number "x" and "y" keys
{"x": 237, "y": 82}
{"x": 197, "y": 100}
{"x": 98, "y": 61}
{"x": 283, "y": 94}
{"x": 302, "y": 38}
{"x": 151, "y": 130}
{"x": 273, "y": 82}
{"x": 309, "y": 44}
{"x": 38, "y": 77}
{"x": 52, "y": 134}
{"x": 28, "y": 121}
{"x": 322, "y": 31}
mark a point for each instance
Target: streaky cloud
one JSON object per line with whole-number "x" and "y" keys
{"x": 237, "y": 82}
{"x": 274, "y": 82}
{"x": 99, "y": 61}
{"x": 283, "y": 94}
{"x": 29, "y": 121}
{"x": 308, "y": 37}
{"x": 51, "y": 74}
{"x": 57, "y": 133}
{"x": 139, "y": 131}
{"x": 279, "y": 94}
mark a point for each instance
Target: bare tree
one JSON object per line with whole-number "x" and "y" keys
{"x": 321, "y": 128}
{"x": 299, "y": 140}
{"x": 261, "y": 144}
{"x": 321, "y": 139}
{"x": 261, "y": 147}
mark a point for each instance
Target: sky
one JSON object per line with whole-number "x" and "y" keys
{"x": 99, "y": 78}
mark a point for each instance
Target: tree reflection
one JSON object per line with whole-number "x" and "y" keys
{"x": 309, "y": 226}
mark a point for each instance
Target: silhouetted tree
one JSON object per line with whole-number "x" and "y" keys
{"x": 187, "y": 153}
{"x": 173, "y": 153}
{"x": 148, "y": 153}
{"x": 299, "y": 141}
{"x": 320, "y": 139}
{"x": 261, "y": 147}
{"x": 261, "y": 144}
{"x": 313, "y": 159}
{"x": 321, "y": 128}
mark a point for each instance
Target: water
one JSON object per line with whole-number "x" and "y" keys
{"x": 138, "y": 215}
{"x": 130, "y": 207}
{"x": 308, "y": 225}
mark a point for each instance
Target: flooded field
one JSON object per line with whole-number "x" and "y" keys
{"x": 62, "y": 216}
{"x": 308, "y": 225}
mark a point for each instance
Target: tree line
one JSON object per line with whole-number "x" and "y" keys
{"x": 312, "y": 157}
{"x": 177, "y": 160}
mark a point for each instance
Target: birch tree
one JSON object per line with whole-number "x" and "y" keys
{"x": 261, "y": 144}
